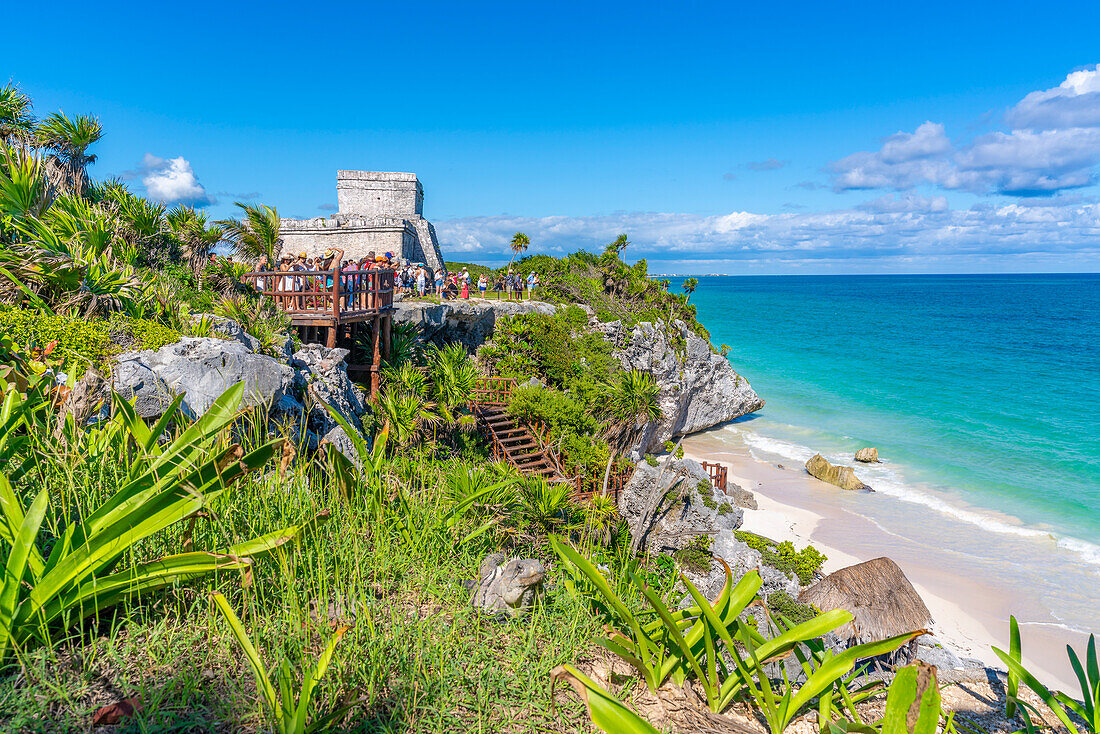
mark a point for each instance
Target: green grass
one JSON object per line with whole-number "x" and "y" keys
{"x": 418, "y": 657}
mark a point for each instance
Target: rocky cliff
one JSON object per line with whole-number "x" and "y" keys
{"x": 699, "y": 388}
{"x": 469, "y": 322}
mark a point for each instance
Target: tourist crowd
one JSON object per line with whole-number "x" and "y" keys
{"x": 309, "y": 277}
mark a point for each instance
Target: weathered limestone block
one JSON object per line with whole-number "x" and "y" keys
{"x": 470, "y": 323}
{"x": 842, "y": 476}
{"x": 691, "y": 509}
{"x": 201, "y": 369}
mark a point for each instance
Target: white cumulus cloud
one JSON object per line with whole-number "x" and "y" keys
{"x": 889, "y": 230}
{"x": 172, "y": 181}
{"x": 1073, "y": 103}
{"x": 1053, "y": 144}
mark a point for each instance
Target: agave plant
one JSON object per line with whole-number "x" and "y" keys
{"x": 23, "y": 189}
{"x": 167, "y": 481}
{"x": 1087, "y": 709}
{"x": 699, "y": 642}
{"x": 406, "y": 415}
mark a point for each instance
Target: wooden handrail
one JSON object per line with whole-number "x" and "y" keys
{"x": 308, "y": 293}
{"x": 492, "y": 390}
{"x": 718, "y": 474}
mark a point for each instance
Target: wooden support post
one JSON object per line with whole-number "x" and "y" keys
{"x": 387, "y": 330}
{"x": 376, "y": 363}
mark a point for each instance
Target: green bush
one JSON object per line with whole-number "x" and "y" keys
{"x": 696, "y": 555}
{"x": 571, "y": 426}
{"x": 83, "y": 342}
{"x": 555, "y": 348}
{"x": 782, "y": 604}
{"x": 784, "y": 557}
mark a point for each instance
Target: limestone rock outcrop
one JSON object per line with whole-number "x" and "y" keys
{"x": 699, "y": 388}
{"x": 842, "y": 476}
{"x": 469, "y": 322}
{"x": 692, "y": 508}
{"x": 201, "y": 369}
{"x": 867, "y": 455}
{"x": 321, "y": 372}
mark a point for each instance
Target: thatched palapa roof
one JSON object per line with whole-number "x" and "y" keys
{"x": 877, "y": 593}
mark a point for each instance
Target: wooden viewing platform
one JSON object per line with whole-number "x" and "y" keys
{"x": 331, "y": 306}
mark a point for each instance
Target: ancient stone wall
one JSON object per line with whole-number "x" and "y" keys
{"x": 379, "y": 212}
{"x": 379, "y": 194}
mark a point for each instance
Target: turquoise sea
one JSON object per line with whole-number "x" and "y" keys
{"x": 981, "y": 392}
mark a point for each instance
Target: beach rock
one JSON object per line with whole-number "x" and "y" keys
{"x": 699, "y": 388}
{"x": 201, "y": 369}
{"x": 470, "y": 323}
{"x": 842, "y": 476}
{"x": 740, "y": 496}
{"x": 867, "y": 455}
{"x": 692, "y": 508}
{"x": 321, "y": 372}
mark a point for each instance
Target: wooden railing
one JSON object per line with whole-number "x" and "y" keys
{"x": 337, "y": 294}
{"x": 586, "y": 486}
{"x": 717, "y": 474}
{"x": 492, "y": 390}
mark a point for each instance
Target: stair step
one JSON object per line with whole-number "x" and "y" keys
{"x": 531, "y": 455}
{"x": 511, "y": 431}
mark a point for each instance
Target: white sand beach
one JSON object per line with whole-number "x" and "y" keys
{"x": 970, "y": 613}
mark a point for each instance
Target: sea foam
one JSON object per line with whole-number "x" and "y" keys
{"x": 886, "y": 480}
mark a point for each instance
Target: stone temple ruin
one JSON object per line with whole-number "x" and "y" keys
{"x": 378, "y": 211}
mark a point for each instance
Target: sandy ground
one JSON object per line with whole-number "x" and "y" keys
{"x": 969, "y": 615}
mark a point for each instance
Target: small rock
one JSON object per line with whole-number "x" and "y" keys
{"x": 741, "y": 497}
{"x": 842, "y": 476}
{"x": 781, "y": 466}
{"x": 867, "y": 455}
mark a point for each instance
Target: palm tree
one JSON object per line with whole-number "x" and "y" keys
{"x": 689, "y": 287}
{"x": 258, "y": 236}
{"x": 194, "y": 234}
{"x": 70, "y": 140}
{"x": 16, "y": 120}
{"x": 629, "y": 404}
{"x": 520, "y": 242}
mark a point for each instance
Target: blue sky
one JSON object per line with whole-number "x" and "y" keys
{"x": 800, "y": 138}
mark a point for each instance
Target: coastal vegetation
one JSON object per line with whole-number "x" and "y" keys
{"x": 224, "y": 572}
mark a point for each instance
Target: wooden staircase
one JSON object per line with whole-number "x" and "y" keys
{"x": 513, "y": 441}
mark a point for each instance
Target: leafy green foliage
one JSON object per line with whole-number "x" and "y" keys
{"x": 558, "y": 349}
{"x": 781, "y": 604}
{"x": 696, "y": 555}
{"x": 83, "y": 343}
{"x": 572, "y": 428}
{"x": 290, "y": 712}
{"x": 784, "y": 557}
{"x": 167, "y": 480}
{"x": 1087, "y": 709}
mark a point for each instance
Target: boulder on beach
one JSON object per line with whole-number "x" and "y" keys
{"x": 882, "y": 601}
{"x": 868, "y": 455}
{"x": 842, "y": 476}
